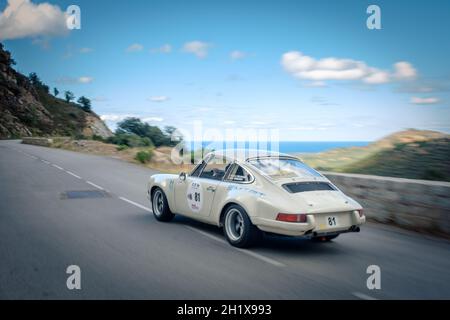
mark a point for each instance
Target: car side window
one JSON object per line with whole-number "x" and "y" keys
{"x": 215, "y": 169}
{"x": 239, "y": 174}
{"x": 198, "y": 169}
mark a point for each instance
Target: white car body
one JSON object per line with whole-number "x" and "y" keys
{"x": 205, "y": 198}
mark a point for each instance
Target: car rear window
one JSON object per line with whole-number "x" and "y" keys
{"x": 307, "y": 186}
{"x": 282, "y": 168}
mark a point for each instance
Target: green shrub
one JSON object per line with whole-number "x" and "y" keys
{"x": 79, "y": 136}
{"x": 130, "y": 140}
{"x": 121, "y": 147}
{"x": 98, "y": 138}
{"x": 144, "y": 156}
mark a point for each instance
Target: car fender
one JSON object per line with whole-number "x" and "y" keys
{"x": 166, "y": 183}
{"x": 253, "y": 200}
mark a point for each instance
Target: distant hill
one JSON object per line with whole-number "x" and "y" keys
{"x": 414, "y": 154}
{"x": 26, "y": 110}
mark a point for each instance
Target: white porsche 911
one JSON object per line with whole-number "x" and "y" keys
{"x": 253, "y": 191}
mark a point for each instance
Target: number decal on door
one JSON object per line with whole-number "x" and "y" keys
{"x": 194, "y": 197}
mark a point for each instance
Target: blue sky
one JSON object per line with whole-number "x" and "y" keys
{"x": 311, "y": 69}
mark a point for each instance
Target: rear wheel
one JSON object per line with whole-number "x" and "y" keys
{"x": 160, "y": 206}
{"x": 324, "y": 238}
{"x": 238, "y": 229}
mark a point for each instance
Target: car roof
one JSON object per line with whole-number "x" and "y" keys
{"x": 242, "y": 155}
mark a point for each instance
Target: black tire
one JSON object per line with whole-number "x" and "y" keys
{"x": 324, "y": 238}
{"x": 160, "y": 207}
{"x": 243, "y": 236}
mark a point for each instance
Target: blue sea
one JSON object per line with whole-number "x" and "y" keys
{"x": 289, "y": 146}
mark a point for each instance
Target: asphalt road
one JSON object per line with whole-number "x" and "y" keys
{"x": 124, "y": 253}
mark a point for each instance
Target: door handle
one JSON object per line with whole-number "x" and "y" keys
{"x": 211, "y": 188}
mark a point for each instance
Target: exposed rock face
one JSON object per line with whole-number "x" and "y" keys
{"x": 29, "y": 111}
{"x": 95, "y": 126}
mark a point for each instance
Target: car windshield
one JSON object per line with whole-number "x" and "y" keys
{"x": 280, "y": 168}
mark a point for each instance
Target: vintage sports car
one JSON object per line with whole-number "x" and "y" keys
{"x": 249, "y": 192}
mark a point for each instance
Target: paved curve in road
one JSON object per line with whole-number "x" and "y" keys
{"x": 123, "y": 252}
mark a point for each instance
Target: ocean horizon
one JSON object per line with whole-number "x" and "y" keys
{"x": 284, "y": 146}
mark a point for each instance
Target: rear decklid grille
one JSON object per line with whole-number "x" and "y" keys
{"x": 308, "y": 186}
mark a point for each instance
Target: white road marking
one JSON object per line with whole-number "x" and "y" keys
{"x": 136, "y": 204}
{"x": 72, "y": 174}
{"x": 56, "y": 166}
{"x": 94, "y": 185}
{"x": 206, "y": 234}
{"x": 34, "y": 157}
{"x": 45, "y": 161}
{"x": 363, "y": 296}
{"x": 247, "y": 252}
{"x": 263, "y": 258}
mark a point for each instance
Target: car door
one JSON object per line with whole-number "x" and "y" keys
{"x": 195, "y": 195}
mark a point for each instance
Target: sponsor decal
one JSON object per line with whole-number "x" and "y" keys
{"x": 245, "y": 189}
{"x": 195, "y": 197}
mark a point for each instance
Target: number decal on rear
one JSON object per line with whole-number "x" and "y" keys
{"x": 332, "y": 221}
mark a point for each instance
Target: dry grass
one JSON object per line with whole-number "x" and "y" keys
{"x": 160, "y": 161}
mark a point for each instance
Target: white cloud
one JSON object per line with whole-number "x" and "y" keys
{"x": 135, "y": 47}
{"x": 100, "y": 99}
{"x": 198, "y": 48}
{"x": 429, "y": 100}
{"x": 159, "y": 98}
{"x": 152, "y": 119}
{"x": 79, "y": 80}
{"x": 377, "y": 77}
{"x": 166, "y": 48}
{"x": 308, "y": 128}
{"x": 404, "y": 71}
{"x": 113, "y": 117}
{"x": 86, "y": 50}
{"x": 258, "y": 123}
{"x": 22, "y": 18}
{"x": 236, "y": 55}
{"x": 85, "y": 79}
{"x": 317, "y": 84}
{"x": 319, "y": 70}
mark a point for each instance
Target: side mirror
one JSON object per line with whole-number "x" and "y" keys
{"x": 182, "y": 176}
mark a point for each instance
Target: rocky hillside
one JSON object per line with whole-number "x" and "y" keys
{"x": 29, "y": 111}
{"x": 414, "y": 154}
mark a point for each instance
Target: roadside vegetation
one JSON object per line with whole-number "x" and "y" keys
{"x": 133, "y": 141}
{"x": 413, "y": 154}
{"x": 144, "y": 156}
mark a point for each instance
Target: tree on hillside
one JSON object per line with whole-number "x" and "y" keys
{"x": 69, "y": 96}
{"x": 55, "y": 92}
{"x": 5, "y": 54}
{"x": 136, "y": 126}
{"x": 85, "y": 103}
{"x": 37, "y": 83}
{"x": 133, "y": 125}
{"x": 34, "y": 79}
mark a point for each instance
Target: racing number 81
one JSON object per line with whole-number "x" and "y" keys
{"x": 331, "y": 221}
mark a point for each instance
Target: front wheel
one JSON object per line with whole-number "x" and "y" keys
{"x": 160, "y": 206}
{"x": 238, "y": 229}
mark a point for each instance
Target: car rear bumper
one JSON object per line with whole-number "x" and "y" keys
{"x": 315, "y": 226}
